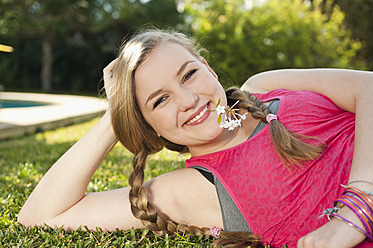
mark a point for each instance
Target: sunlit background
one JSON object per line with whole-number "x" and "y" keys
{"x": 62, "y": 45}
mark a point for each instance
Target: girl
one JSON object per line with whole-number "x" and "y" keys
{"x": 266, "y": 181}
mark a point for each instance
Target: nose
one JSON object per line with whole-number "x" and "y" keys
{"x": 186, "y": 99}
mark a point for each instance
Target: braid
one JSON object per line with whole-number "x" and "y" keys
{"x": 237, "y": 239}
{"x": 290, "y": 146}
{"x": 291, "y": 149}
{"x": 145, "y": 212}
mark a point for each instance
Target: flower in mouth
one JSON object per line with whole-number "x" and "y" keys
{"x": 228, "y": 116}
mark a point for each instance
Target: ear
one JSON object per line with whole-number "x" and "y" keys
{"x": 209, "y": 68}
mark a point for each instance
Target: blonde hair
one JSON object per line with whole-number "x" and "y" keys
{"x": 139, "y": 137}
{"x": 135, "y": 133}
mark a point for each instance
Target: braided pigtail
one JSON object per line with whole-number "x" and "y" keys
{"x": 237, "y": 240}
{"x": 290, "y": 146}
{"x": 144, "y": 211}
{"x": 135, "y": 133}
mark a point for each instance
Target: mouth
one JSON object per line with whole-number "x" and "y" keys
{"x": 197, "y": 117}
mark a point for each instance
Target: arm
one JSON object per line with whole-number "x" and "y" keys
{"x": 353, "y": 92}
{"x": 64, "y": 185}
{"x": 342, "y": 86}
{"x": 60, "y": 199}
{"x": 350, "y": 90}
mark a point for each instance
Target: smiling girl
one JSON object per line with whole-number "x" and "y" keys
{"x": 266, "y": 181}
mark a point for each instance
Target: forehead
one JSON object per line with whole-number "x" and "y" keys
{"x": 163, "y": 55}
{"x": 159, "y": 68}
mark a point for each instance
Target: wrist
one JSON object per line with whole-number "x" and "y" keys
{"x": 107, "y": 127}
{"x": 355, "y": 208}
{"x": 349, "y": 215}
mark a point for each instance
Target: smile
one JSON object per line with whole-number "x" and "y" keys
{"x": 196, "y": 118}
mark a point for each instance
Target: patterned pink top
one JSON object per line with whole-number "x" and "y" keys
{"x": 278, "y": 204}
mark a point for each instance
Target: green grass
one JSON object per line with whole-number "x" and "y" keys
{"x": 23, "y": 162}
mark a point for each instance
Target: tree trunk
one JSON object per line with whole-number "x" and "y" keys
{"x": 46, "y": 63}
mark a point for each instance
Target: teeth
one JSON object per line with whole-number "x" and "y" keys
{"x": 198, "y": 116}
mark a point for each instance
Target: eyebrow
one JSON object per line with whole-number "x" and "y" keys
{"x": 181, "y": 69}
{"x": 152, "y": 95}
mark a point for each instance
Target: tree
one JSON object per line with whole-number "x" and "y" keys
{"x": 358, "y": 19}
{"x": 48, "y": 20}
{"x": 72, "y": 30}
{"x": 135, "y": 14}
{"x": 246, "y": 39}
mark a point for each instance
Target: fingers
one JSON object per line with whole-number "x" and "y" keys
{"x": 108, "y": 76}
{"x": 111, "y": 65}
{"x": 108, "y": 70}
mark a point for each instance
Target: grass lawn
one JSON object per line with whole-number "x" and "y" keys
{"x": 23, "y": 162}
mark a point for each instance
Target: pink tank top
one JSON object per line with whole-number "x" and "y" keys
{"x": 278, "y": 204}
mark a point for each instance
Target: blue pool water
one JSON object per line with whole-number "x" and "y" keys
{"x": 19, "y": 104}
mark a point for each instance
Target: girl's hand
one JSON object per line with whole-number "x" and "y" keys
{"x": 108, "y": 77}
{"x": 336, "y": 233}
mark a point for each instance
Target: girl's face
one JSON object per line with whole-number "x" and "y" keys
{"x": 175, "y": 92}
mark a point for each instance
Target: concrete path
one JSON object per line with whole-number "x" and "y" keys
{"x": 63, "y": 110}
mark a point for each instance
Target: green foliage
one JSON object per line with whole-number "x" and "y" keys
{"x": 359, "y": 16}
{"x": 23, "y": 162}
{"x": 27, "y": 25}
{"x": 83, "y": 33}
{"x": 160, "y": 13}
{"x": 246, "y": 39}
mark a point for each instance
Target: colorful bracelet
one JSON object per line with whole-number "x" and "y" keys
{"x": 361, "y": 194}
{"x": 352, "y": 225}
{"x": 359, "y": 181}
{"x": 361, "y": 205}
{"x": 359, "y": 212}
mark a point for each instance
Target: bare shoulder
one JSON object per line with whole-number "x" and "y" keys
{"x": 266, "y": 81}
{"x": 185, "y": 196}
{"x": 261, "y": 82}
{"x": 252, "y": 86}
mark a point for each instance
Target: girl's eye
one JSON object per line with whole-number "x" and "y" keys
{"x": 189, "y": 75}
{"x": 159, "y": 101}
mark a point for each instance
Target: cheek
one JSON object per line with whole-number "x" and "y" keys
{"x": 161, "y": 122}
{"x": 213, "y": 87}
